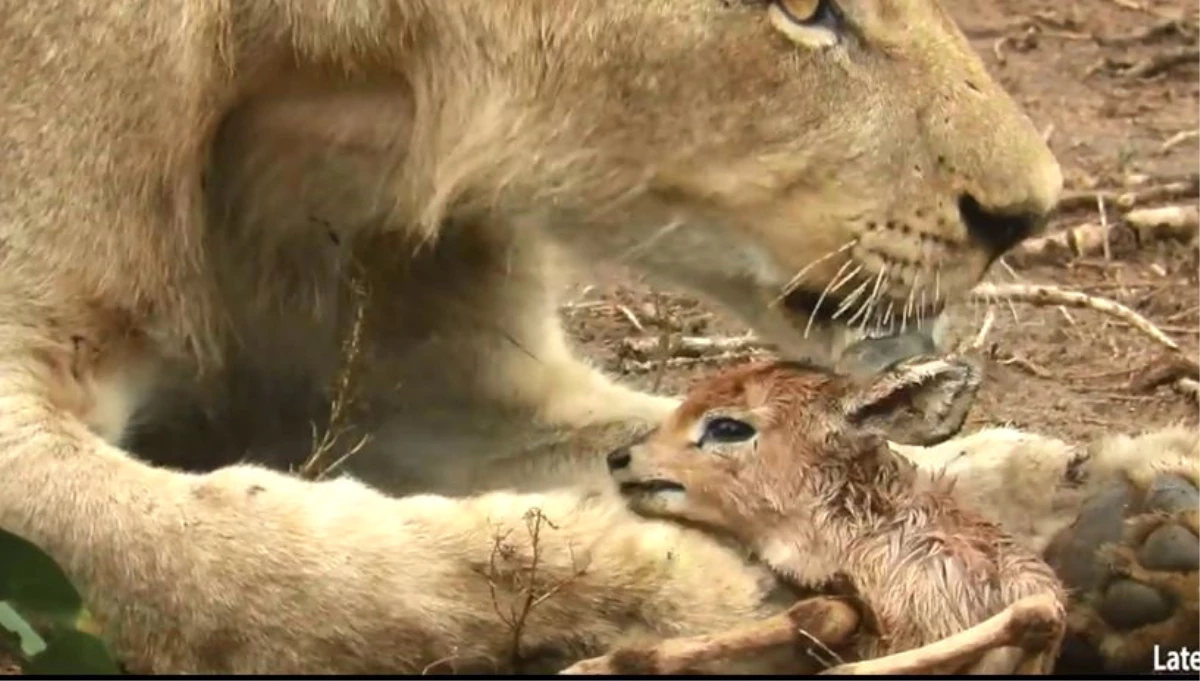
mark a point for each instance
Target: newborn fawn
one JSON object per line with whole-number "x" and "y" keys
{"x": 792, "y": 464}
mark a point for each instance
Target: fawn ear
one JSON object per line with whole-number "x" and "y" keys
{"x": 920, "y": 401}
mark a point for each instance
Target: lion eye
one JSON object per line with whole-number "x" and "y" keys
{"x": 724, "y": 430}
{"x": 809, "y": 13}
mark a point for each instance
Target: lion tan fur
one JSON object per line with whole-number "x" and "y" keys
{"x": 1035, "y": 486}
{"x": 467, "y": 567}
{"x": 189, "y": 186}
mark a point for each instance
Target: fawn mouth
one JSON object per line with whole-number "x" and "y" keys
{"x": 650, "y": 487}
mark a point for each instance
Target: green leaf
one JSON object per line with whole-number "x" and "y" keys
{"x": 33, "y": 583}
{"x": 41, "y": 607}
{"x": 72, "y": 653}
{"x": 28, "y": 641}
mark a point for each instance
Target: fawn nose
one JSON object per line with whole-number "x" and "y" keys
{"x": 618, "y": 458}
{"x": 999, "y": 228}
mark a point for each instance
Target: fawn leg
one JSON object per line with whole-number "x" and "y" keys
{"x": 1013, "y": 661}
{"x": 827, "y": 621}
{"x": 1033, "y": 623}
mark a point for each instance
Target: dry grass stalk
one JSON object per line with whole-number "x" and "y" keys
{"x": 318, "y": 464}
{"x": 524, "y": 580}
{"x": 1179, "y": 138}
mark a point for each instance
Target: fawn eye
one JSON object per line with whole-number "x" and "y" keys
{"x": 809, "y": 13}
{"x": 726, "y": 430}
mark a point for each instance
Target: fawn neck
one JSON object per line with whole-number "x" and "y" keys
{"x": 855, "y": 511}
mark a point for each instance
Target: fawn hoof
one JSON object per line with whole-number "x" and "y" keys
{"x": 1131, "y": 562}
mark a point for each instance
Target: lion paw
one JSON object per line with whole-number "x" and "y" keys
{"x": 1131, "y": 561}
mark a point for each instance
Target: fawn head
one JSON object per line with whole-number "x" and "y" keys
{"x": 762, "y": 442}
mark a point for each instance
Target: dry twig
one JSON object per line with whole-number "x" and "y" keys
{"x": 693, "y": 346}
{"x": 1163, "y": 62}
{"x": 1183, "y": 187}
{"x": 1175, "y": 222}
{"x": 1179, "y": 138}
{"x": 988, "y": 320}
{"x": 1180, "y": 371}
{"x": 1159, "y": 29}
{"x": 1051, "y": 295}
{"x": 1145, "y": 225}
{"x": 643, "y": 367}
{"x": 662, "y": 352}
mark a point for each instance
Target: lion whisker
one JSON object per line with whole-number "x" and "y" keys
{"x": 851, "y": 298}
{"x": 834, "y": 284}
{"x": 869, "y": 306}
{"x": 908, "y": 303}
{"x": 799, "y": 276}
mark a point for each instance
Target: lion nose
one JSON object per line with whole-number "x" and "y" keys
{"x": 999, "y": 228}
{"x": 618, "y": 458}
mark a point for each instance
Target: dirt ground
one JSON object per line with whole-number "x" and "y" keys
{"x": 1113, "y": 84}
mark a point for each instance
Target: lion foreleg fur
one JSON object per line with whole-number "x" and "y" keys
{"x": 246, "y": 570}
{"x": 1035, "y": 485}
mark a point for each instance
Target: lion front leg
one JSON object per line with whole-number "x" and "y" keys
{"x": 579, "y": 415}
{"x": 499, "y": 398}
{"x": 538, "y": 417}
{"x": 243, "y": 570}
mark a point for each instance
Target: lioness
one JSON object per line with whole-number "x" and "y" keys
{"x": 196, "y": 190}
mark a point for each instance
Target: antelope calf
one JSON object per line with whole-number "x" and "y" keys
{"x": 793, "y": 464}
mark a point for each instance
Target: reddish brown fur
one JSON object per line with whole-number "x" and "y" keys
{"x": 813, "y": 495}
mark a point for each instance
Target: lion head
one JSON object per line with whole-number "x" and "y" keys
{"x": 826, "y": 169}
